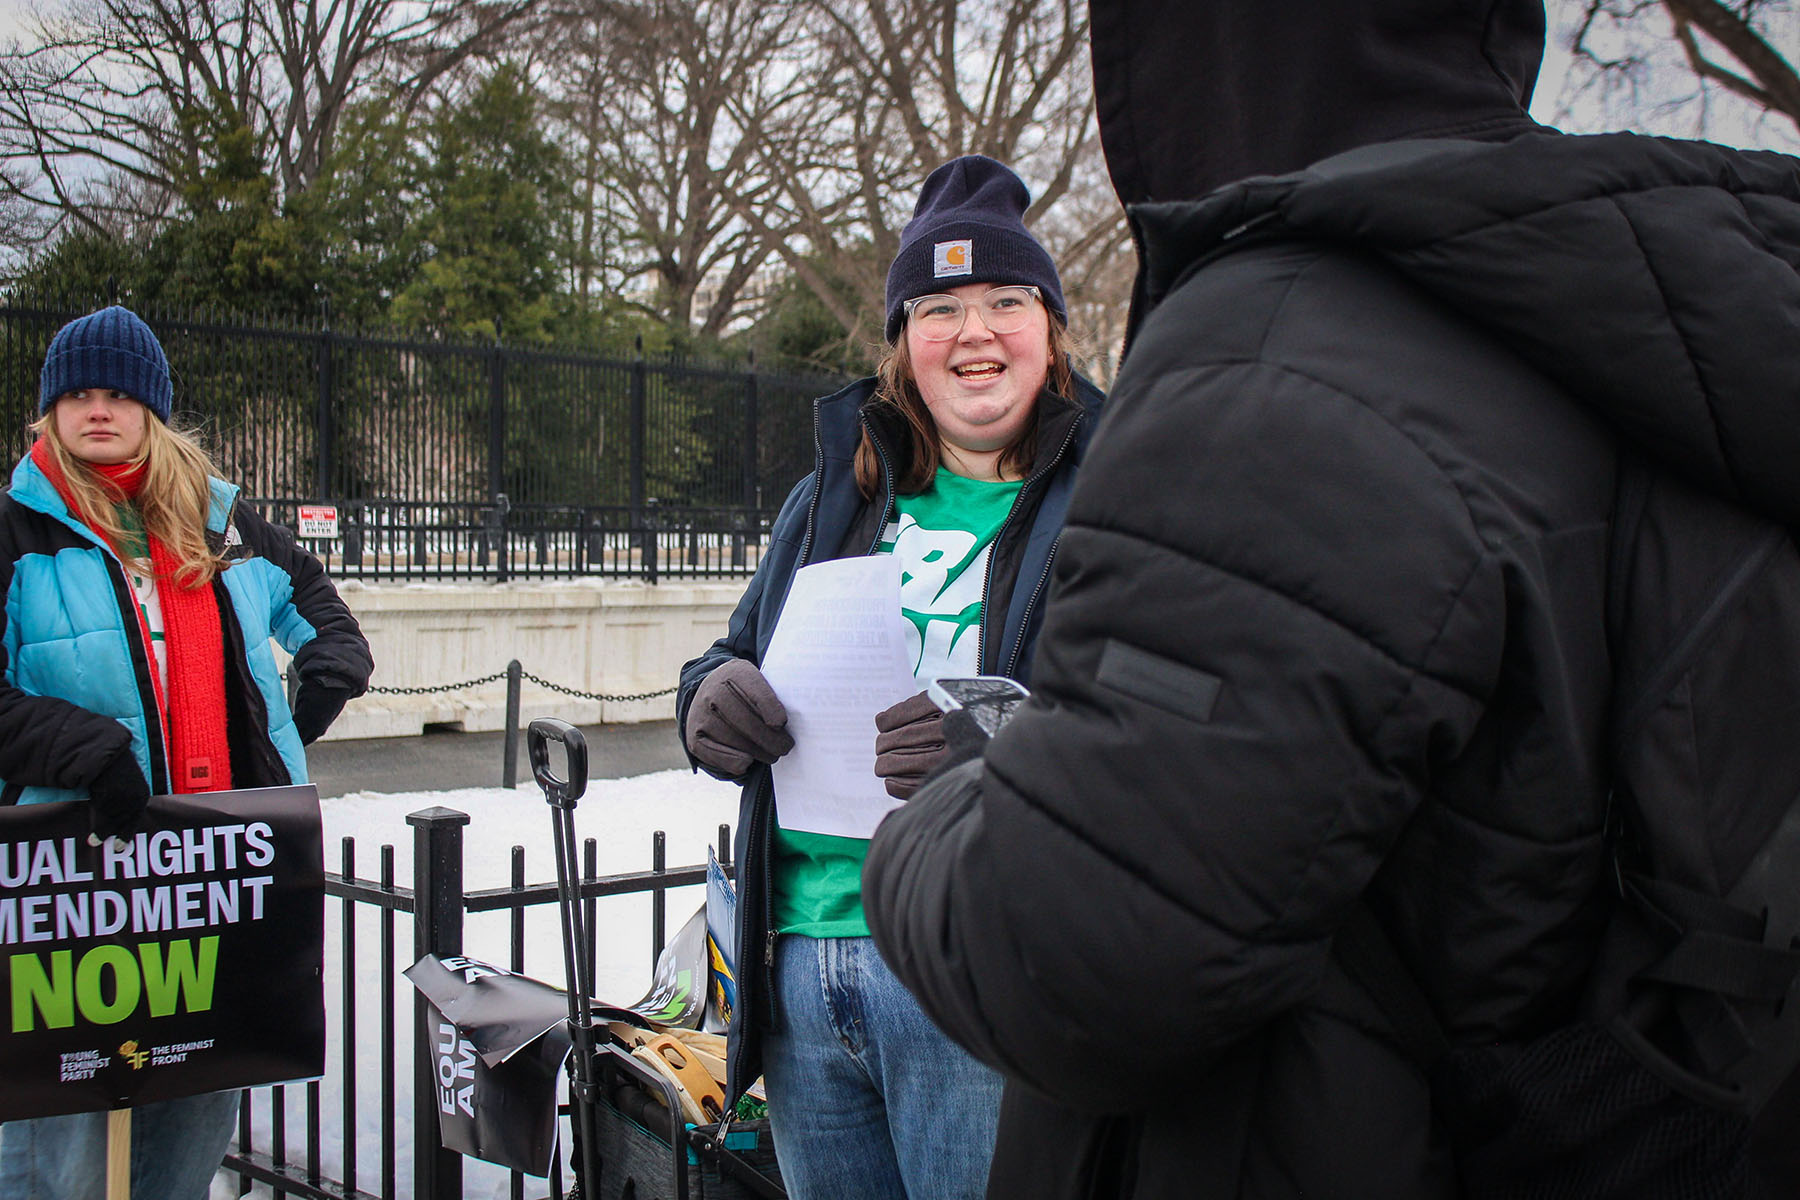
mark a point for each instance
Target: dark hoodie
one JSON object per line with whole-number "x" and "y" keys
{"x": 1194, "y": 96}
{"x": 1329, "y": 619}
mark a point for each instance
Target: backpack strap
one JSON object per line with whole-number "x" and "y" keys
{"x": 1732, "y": 972}
{"x": 1718, "y": 947}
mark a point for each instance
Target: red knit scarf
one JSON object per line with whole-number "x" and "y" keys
{"x": 193, "y": 712}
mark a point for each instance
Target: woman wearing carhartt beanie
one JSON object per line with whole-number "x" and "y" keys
{"x": 129, "y": 570}
{"x": 956, "y": 458}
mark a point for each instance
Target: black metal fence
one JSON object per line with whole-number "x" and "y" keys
{"x": 436, "y": 903}
{"x": 476, "y": 460}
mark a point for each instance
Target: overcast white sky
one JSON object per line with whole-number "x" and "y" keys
{"x": 1729, "y": 120}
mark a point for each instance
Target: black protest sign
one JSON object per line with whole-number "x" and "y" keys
{"x": 498, "y": 1044}
{"x": 186, "y": 960}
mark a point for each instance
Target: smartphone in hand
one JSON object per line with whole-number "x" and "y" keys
{"x": 989, "y": 700}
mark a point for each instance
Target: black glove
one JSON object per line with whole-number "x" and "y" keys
{"x": 117, "y": 798}
{"x": 736, "y": 720}
{"x": 315, "y": 707}
{"x": 910, "y": 744}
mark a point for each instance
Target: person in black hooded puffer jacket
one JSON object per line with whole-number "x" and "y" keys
{"x": 1328, "y": 622}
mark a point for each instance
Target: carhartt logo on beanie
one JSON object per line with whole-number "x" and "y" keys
{"x": 114, "y": 349}
{"x": 952, "y": 258}
{"x": 969, "y": 227}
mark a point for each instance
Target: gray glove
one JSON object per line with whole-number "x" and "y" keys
{"x": 736, "y": 720}
{"x": 910, "y": 744}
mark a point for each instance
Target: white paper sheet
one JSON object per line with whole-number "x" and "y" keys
{"x": 837, "y": 657}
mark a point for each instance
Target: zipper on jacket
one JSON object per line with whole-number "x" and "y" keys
{"x": 1010, "y": 670}
{"x": 987, "y": 582}
{"x": 761, "y": 843}
{"x": 812, "y": 506}
{"x": 1256, "y": 222}
{"x": 887, "y": 484}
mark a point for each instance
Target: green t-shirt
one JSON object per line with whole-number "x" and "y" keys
{"x": 942, "y": 537}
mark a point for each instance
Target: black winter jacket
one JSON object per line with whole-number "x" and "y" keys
{"x": 1328, "y": 622}
{"x": 827, "y": 517}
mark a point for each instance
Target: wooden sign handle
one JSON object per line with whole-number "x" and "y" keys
{"x": 118, "y": 1154}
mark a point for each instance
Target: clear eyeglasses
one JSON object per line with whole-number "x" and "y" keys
{"x": 939, "y": 318}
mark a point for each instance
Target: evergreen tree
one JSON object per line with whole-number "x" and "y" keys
{"x": 490, "y": 185}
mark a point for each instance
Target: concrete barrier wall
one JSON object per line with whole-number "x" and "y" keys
{"x": 613, "y": 638}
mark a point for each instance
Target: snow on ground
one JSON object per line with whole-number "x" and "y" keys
{"x": 622, "y": 815}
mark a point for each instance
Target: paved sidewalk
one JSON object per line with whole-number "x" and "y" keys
{"x": 441, "y": 761}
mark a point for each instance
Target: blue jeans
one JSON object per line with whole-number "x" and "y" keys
{"x": 175, "y": 1151}
{"x": 867, "y": 1099}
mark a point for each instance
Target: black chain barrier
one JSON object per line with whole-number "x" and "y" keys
{"x": 440, "y": 687}
{"x": 509, "y": 773}
{"x": 497, "y": 676}
{"x": 580, "y": 695}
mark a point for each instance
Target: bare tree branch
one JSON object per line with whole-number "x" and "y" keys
{"x": 1706, "y": 69}
{"x": 1727, "y": 48}
{"x": 902, "y": 86}
{"x": 1767, "y": 79}
{"x": 667, "y": 107}
{"x": 141, "y": 90}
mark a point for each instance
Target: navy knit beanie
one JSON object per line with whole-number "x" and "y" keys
{"x": 969, "y": 227}
{"x": 114, "y": 349}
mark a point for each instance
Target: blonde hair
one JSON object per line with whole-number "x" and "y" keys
{"x": 896, "y": 389}
{"x": 173, "y": 503}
